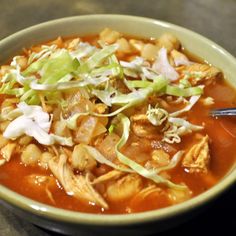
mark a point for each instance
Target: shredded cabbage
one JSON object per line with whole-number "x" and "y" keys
{"x": 152, "y": 175}
{"x": 192, "y": 101}
{"x": 156, "y": 116}
{"x": 93, "y": 61}
{"x": 44, "y": 53}
{"x": 183, "y": 92}
{"x": 82, "y": 50}
{"x": 36, "y": 123}
{"x": 101, "y": 159}
{"x": 178, "y": 127}
{"x": 173, "y": 163}
{"x": 162, "y": 66}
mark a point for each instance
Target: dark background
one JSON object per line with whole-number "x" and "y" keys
{"x": 215, "y": 19}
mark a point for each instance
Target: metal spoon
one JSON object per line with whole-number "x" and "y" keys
{"x": 224, "y": 112}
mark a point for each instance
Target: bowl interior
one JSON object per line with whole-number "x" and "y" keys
{"x": 136, "y": 26}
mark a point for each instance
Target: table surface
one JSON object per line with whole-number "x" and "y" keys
{"x": 214, "y": 19}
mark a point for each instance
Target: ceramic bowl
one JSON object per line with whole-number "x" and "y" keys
{"x": 70, "y": 222}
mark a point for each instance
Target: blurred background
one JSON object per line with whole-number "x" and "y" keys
{"x": 214, "y": 19}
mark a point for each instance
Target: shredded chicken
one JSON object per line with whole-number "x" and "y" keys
{"x": 124, "y": 188}
{"x": 43, "y": 181}
{"x": 142, "y": 127}
{"x": 77, "y": 185}
{"x": 179, "y": 58}
{"x": 147, "y": 191}
{"x": 111, "y": 175}
{"x": 202, "y": 72}
{"x": 198, "y": 157}
{"x": 142, "y": 118}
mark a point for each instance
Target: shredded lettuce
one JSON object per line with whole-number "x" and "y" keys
{"x": 152, "y": 175}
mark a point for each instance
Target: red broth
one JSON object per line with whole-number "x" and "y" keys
{"x": 222, "y": 134}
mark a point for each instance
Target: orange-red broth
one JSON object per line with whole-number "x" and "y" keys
{"x": 222, "y": 133}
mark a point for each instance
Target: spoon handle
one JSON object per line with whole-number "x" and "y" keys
{"x": 224, "y": 112}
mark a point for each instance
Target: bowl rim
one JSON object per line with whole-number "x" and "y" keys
{"x": 58, "y": 214}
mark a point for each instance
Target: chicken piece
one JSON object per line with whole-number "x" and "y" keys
{"x": 77, "y": 185}
{"x": 81, "y": 159}
{"x": 142, "y": 118}
{"x": 142, "y": 127}
{"x": 148, "y": 191}
{"x": 179, "y": 58}
{"x": 160, "y": 157}
{"x": 4, "y": 69}
{"x": 9, "y": 104}
{"x": 111, "y": 175}
{"x": 73, "y": 44}
{"x": 203, "y": 72}
{"x": 168, "y": 41}
{"x": 42, "y": 183}
{"x": 148, "y": 131}
{"x": 58, "y": 41}
{"x": 109, "y": 36}
{"x": 124, "y": 188}
{"x": 198, "y": 157}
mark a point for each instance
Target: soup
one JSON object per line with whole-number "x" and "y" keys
{"x": 113, "y": 124}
